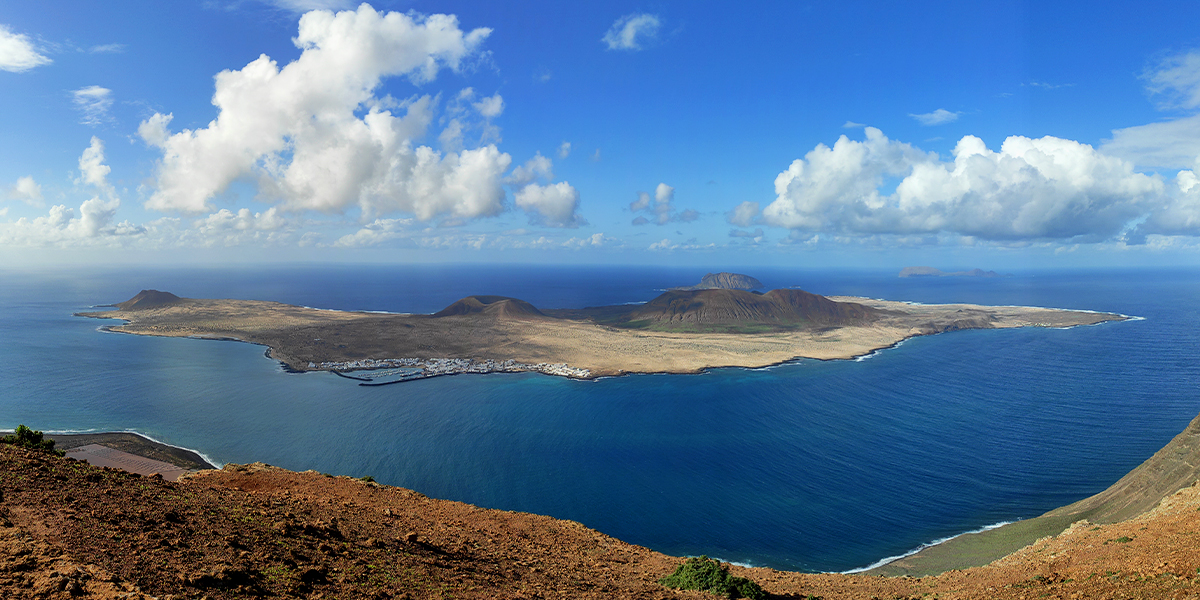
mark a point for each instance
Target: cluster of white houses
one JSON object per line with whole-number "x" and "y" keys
{"x": 432, "y": 367}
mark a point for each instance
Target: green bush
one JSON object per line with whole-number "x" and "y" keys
{"x": 28, "y": 438}
{"x": 707, "y": 575}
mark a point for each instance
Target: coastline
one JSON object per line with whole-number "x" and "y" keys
{"x": 137, "y": 444}
{"x": 305, "y": 339}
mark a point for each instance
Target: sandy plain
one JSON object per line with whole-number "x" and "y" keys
{"x": 304, "y": 338}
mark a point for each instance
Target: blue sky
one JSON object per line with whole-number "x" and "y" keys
{"x": 1003, "y": 135}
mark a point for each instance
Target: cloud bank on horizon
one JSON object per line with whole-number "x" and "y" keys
{"x": 323, "y": 146}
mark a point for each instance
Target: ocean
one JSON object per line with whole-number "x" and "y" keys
{"x": 811, "y": 465}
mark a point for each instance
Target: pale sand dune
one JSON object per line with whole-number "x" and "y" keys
{"x": 298, "y": 335}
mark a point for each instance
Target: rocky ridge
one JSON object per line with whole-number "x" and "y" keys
{"x": 69, "y": 530}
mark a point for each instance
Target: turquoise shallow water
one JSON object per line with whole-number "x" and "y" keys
{"x": 809, "y": 465}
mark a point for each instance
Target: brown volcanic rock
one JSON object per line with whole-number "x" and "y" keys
{"x": 725, "y": 281}
{"x": 69, "y": 530}
{"x": 148, "y": 299}
{"x": 781, "y": 308}
{"x": 498, "y": 306}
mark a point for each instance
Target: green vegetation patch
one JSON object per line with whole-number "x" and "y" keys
{"x": 25, "y": 437}
{"x": 707, "y": 575}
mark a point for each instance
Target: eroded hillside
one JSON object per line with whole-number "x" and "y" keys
{"x": 69, "y": 530}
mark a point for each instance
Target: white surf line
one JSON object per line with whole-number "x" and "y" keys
{"x": 206, "y": 457}
{"x": 891, "y": 559}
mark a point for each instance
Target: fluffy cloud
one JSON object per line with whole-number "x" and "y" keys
{"x": 297, "y": 132}
{"x": 1179, "y": 216}
{"x": 564, "y": 150}
{"x": 226, "y": 220}
{"x": 26, "y": 190}
{"x": 90, "y": 225}
{"x": 17, "y": 53}
{"x": 1047, "y": 188}
{"x": 596, "y": 239}
{"x": 92, "y": 170}
{"x": 537, "y": 167}
{"x": 490, "y": 107}
{"x": 631, "y": 31}
{"x": 555, "y": 204}
{"x": 660, "y": 208}
{"x": 936, "y": 117}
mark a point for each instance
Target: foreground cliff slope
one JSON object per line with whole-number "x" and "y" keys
{"x": 69, "y": 530}
{"x": 1175, "y": 466}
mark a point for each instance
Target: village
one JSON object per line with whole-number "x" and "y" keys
{"x": 422, "y": 368}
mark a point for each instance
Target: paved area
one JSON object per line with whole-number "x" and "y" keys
{"x": 103, "y": 456}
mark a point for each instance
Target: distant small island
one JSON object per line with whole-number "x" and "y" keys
{"x": 680, "y": 331}
{"x": 725, "y": 281}
{"x": 932, "y": 272}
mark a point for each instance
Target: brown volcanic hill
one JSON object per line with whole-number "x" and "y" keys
{"x": 148, "y": 299}
{"x": 497, "y": 306}
{"x": 777, "y": 308}
{"x": 69, "y": 530}
{"x": 725, "y": 281}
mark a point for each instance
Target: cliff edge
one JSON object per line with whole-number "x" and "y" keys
{"x": 70, "y": 530}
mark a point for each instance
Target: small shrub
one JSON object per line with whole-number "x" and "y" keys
{"x": 367, "y": 479}
{"x": 25, "y": 437}
{"x": 707, "y": 575}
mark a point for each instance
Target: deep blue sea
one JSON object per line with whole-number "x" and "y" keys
{"x": 823, "y": 466}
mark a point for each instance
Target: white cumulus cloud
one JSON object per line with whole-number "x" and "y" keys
{"x": 564, "y": 150}
{"x": 632, "y": 31}
{"x": 26, "y": 190}
{"x": 537, "y": 167}
{"x": 556, "y": 204}
{"x": 660, "y": 208}
{"x": 92, "y": 170}
{"x": 490, "y": 107}
{"x": 17, "y": 52}
{"x": 297, "y": 132}
{"x": 1046, "y": 188}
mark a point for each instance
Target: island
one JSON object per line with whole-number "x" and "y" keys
{"x": 725, "y": 281}
{"x": 680, "y": 331}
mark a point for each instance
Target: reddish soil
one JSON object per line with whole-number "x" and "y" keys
{"x": 69, "y": 530}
